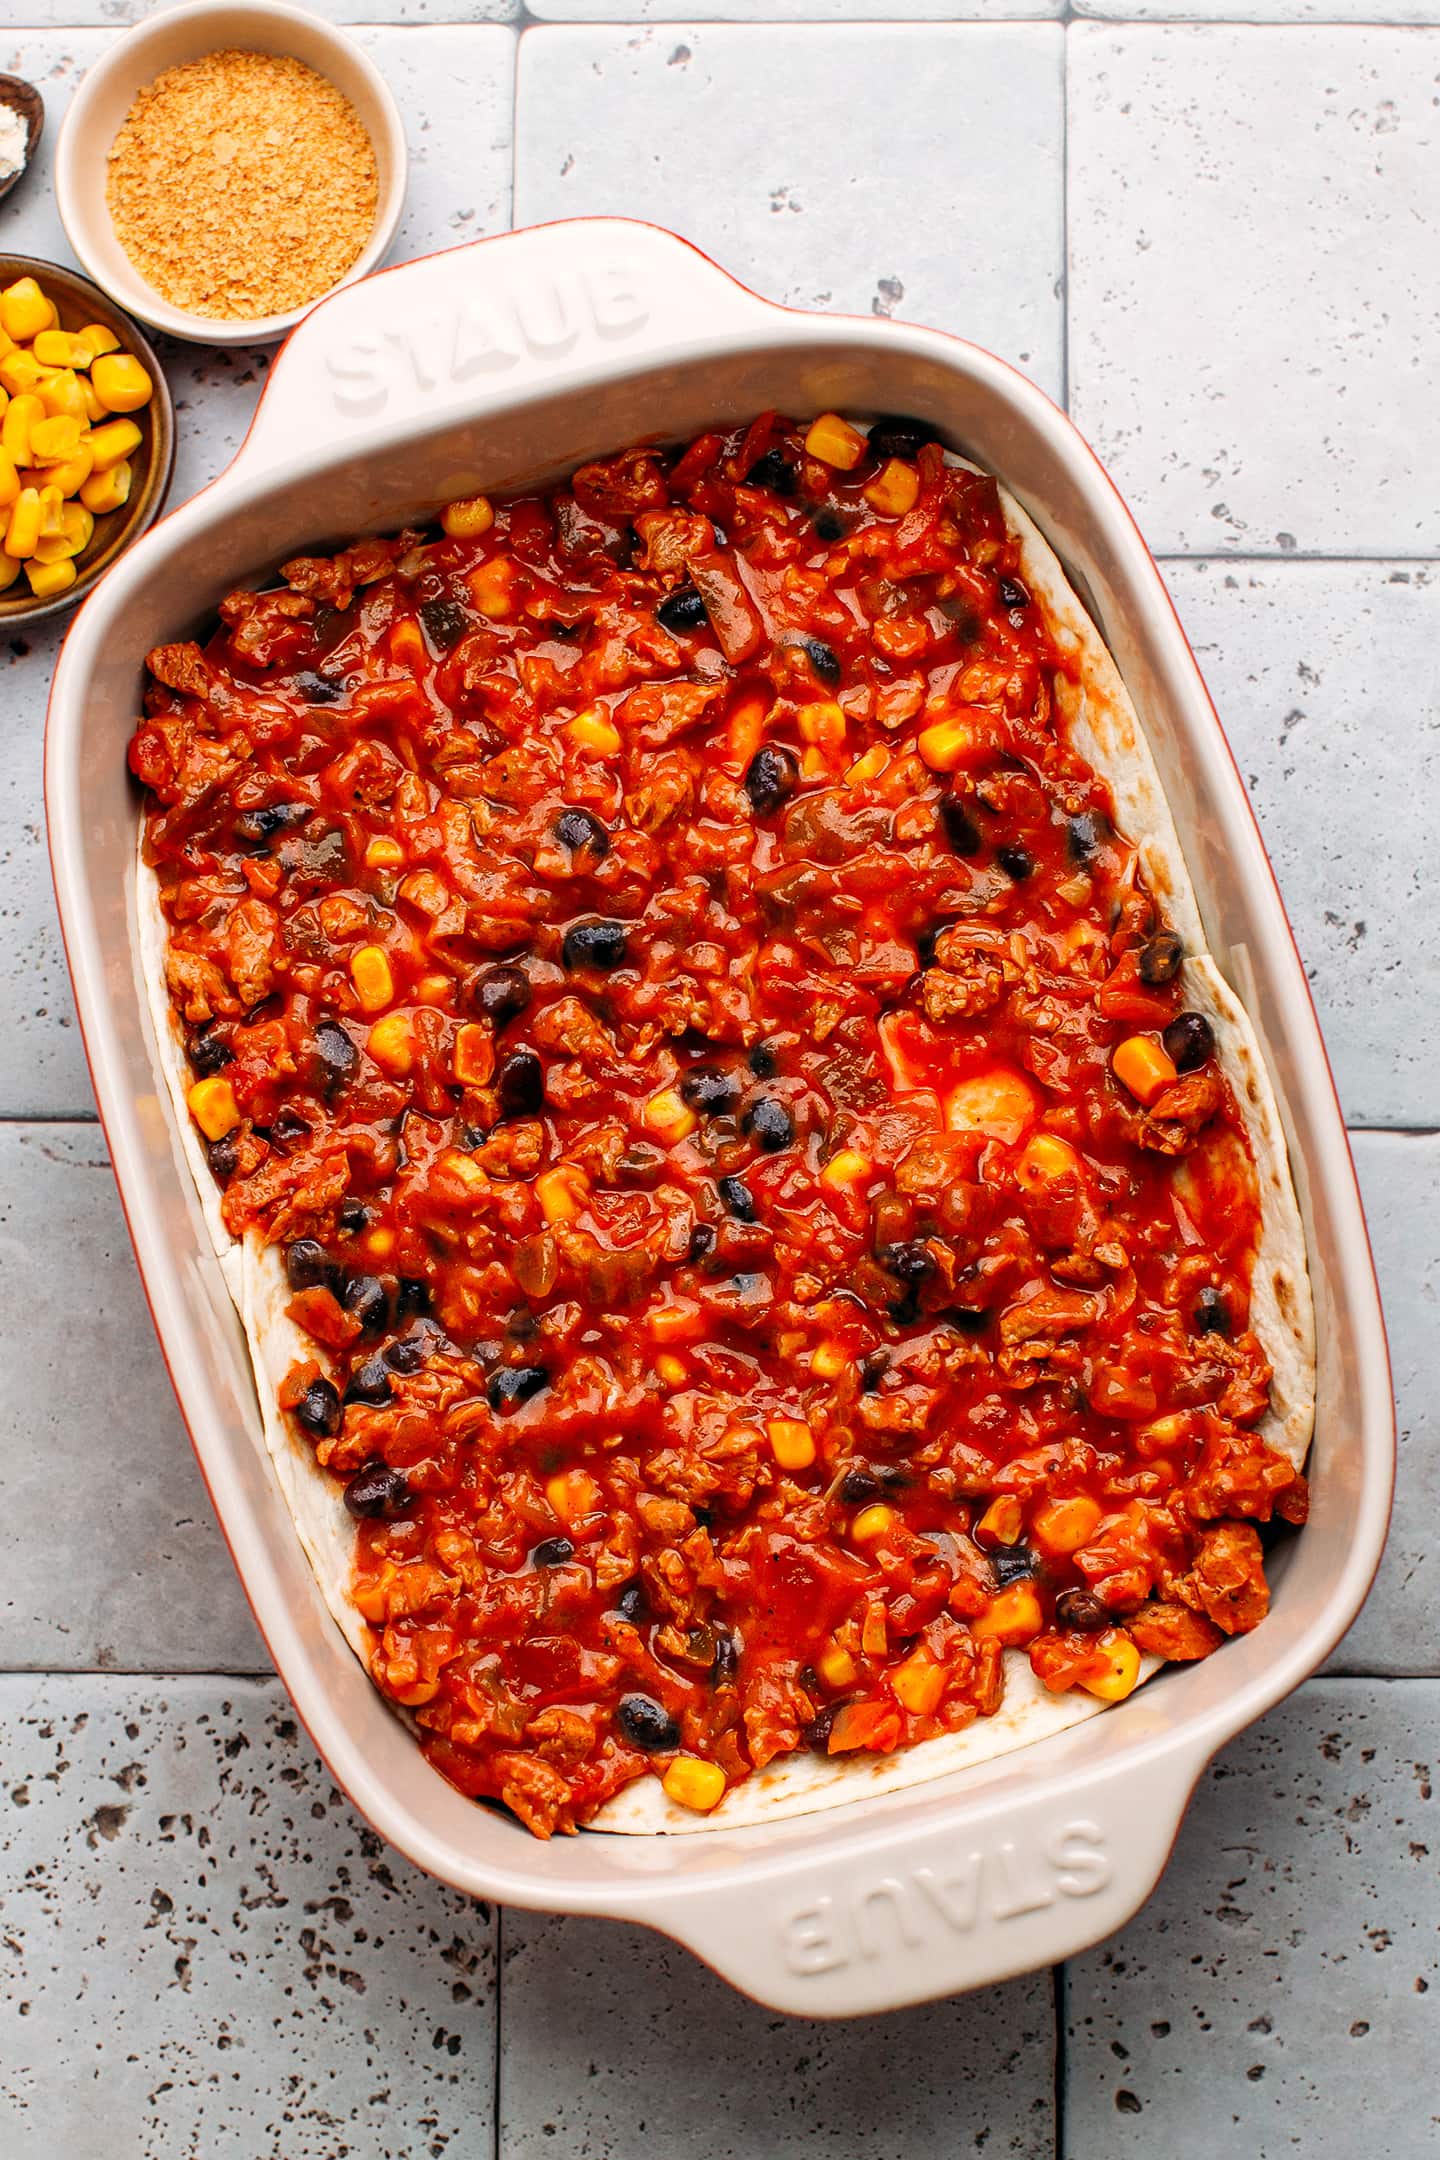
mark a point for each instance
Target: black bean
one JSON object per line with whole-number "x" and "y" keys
{"x": 1188, "y": 1041}
{"x": 898, "y": 435}
{"x": 829, "y": 526}
{"x": 1160, "y": 958}
{"x": 445, "y": 622}
{"x": 377, "y": 1490}
{"x": 288, "y": 1127}
{"x": 412, "y": 1297}
{"x": 1011, "y": 1563}
{"x": 702, "y": 1242}
{"x": 738, "y": 1198}
{"x": 707, "y": 1089}
{"x": 520, "y": 1084}
{"x": 873, "y": 1368}
{"x": 600, "y": 945}
{"x": 647, "y": 1724}
{"x": 763, "y": 1062}
{"x": 1016, "y": 862}
{"x": 961, "y": 831}
{"x": 969, "y": 1319}
{"x": 318, "y": 1409}
{"x": 773, "y": 471}
{"x": 631, "y": 1602}
{"x": 257, "y": 826}
{"x": 209, "y": 1052}
{"x": 909, "y": 1261}
{"x": 769, "y": 1124}
{"x": 771, "y": 778}
{"x": 364, "y": 1295}
{"x": 1079, "y": 1609}
{"x": 682, "y": 611}
{"x": 500, "y": 993}
{"x": 1013, "y": 593}
{"x": 410, "y": 1352}
{"x": 336, "y": 1052}
{"x": 727, "y": 1662}
{"x": 858, "y": 1486}
{"x": 307, "y": 1265}
{"x": 823, "y": 660}
{"x": 1212, "y": 1314}
{"x": 317, "y": 689}
{"x": 515, "y": 1384}
{"x": 1085, "y": 833}
{"x": 816, "y": 1734}
{"x": 354, "y": 1215}
{"x": 579, "y": 831}
{"x": 553, "y": 1552}
{"x": 370, "y": 1382}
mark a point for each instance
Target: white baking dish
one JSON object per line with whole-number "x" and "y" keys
{"x": 506, "y": 363}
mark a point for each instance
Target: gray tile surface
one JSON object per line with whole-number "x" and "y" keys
{"x": 1253, "y": 233}
{"x": 1327, "y": 678}
{"x": 207, "y": 1956}
{"x": 676, "y": 125}
{"x": 617, "y": 2043}
{"x": 109, "y": 1551}
{"x": 1277, "y": 1994}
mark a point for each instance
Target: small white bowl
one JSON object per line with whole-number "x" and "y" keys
{"x": 166, "y": 40}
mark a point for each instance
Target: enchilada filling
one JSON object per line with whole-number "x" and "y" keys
{"x": 770, "y": 1232}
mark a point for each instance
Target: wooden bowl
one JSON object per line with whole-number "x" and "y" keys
{"x": 22, "y": 97}
{"x": 79, "y": 302}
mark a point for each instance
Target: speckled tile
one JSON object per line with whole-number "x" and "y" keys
{"x": 109, "y": 1551}
{"x": 1252, "y": 300}
{"x": 1262, "y": 11}
{"x": 920, "y": 220}
{"x": 1276, "y": 1995}
{"x": 1327, "y": 678}
{"x": 788, "y": 11}
{"x": 62, "y": 14}
{"x": 617, "y": 2043}
{"x": 208, "y": 1957}
{"x": 1398, "y": 1630}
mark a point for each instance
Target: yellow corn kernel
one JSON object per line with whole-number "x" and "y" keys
{"x": 829, "y": 1360}
{"x": 371, "y": 974}
{"x": 383, "y": 854}
{"x": 7, "y": 345}
{"x": 391, "y": 1042}
{"x": 1122, "y": 1669}
{"x": 895, "y": 488}
{"x": 53, "y": 440}
{"x": 1161, "y": 1433}
{"x": 120, "y": 383}
{"x": 693, "y": 1784}
{"x": 875, "y": 1629}
{"x": 468, "y": 518}
{"x": 77, "y": 525}
{"x": 1001, "y": 1522}
{"x": 919, "y": 1683}
{"x": 1013, "y": 1616}
{"x": 96, "y": 339}
{"x": 1141, "y": 1065}
{"x": 434, "y": 989}
{"x": 94, "y": 410}
{"x": 594, "y": 730}
{"x": 109, "y": 490}
{"x": 671, "y": 1369}
{"x": 490, "y": 587}
{"x": 679, "y": 1321}
{"x": 875, "y": 1521}
{"x": 20, "y": 416}
{"x": 1063, "y": 1526}
{"x": 115, "y": 440}
{"x": 380, "y": 1243}
{"x": 823, "y": 723}
{"x": 868, "y": 766}
{"x": 24, "y": 310}
{"x": 10, "y": 568}
{"x": 213, "y": 1107}
{"x": 72, "y": 473}
{"x": 1046, "y": 1159}
{"x": 58, "y": 349}
{"x": 562, "y": 1192}
{"x": 835, "y": 442}
{"x": 49, "y": 579}
{"x": 847, "y": 1167}
{"x": 63, "y": 397}
{"x": 52, "y": 512}
{"x": 23, "y": 528}
{"x": 791, "y": 1442}
{"x": 474, "y": 1055}
{"x": 407, "y": 643}
{"x": 999, "y": 1103}
{"x": 19, "y": 372}
{"x": 574, "y": 1494}
{"x": 814, "y": 764}
{"x": 669, "y": 1116}
{"x": 836, "y": 1667}
{"x": 9, "y": 480}
{"x": 947, "y": 744}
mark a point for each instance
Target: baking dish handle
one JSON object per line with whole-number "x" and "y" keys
{"x": 909, "y": 1914}
{"x": 450, "y": 334}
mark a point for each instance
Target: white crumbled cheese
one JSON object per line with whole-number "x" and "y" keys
{"x": 14, "y": 138}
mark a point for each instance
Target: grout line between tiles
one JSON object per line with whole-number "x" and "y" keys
{"x": 1057, "y": 2012}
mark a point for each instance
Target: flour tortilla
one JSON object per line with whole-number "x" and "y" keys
{"x": 1105, "y": 729}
